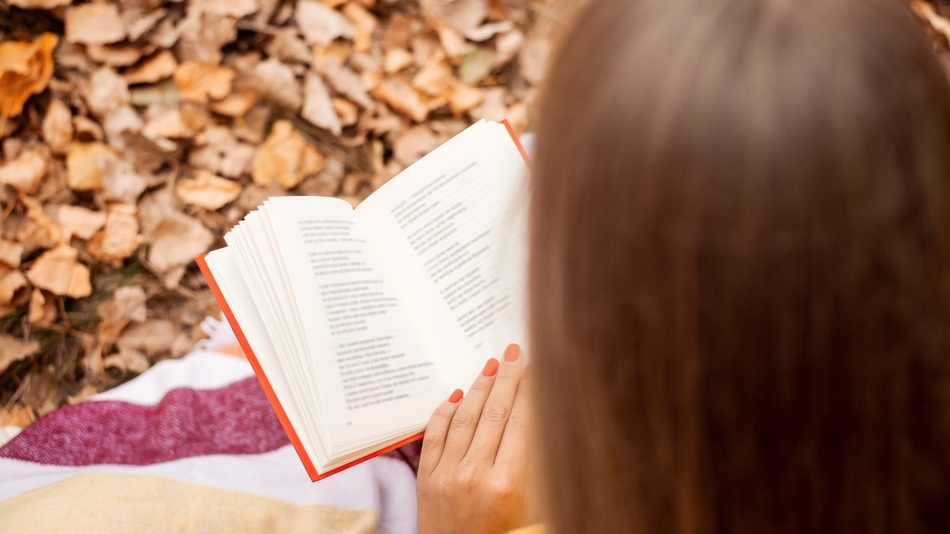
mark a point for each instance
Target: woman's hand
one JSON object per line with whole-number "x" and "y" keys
{"x": 474, "y": 455}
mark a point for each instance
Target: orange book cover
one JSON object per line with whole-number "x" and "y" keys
{"x": 265, "y": 384}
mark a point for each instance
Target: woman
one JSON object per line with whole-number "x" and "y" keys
{"x": 740, "y": 281}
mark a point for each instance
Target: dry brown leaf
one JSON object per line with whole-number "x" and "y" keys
{"x": 86, "y": 129}
{"x": 452, "y": 41}
{"x": 288, "y": 46}
{"x": 94, "y": 23}
{"x": 199, "y": 81}
{"x": 42, "y": 309}
{"x": 321, "y": 24}
{"x": 317, "y": 106}
{"x": 59, "y": 272}
{"x": 507, "y": 46}
{"x": 106, "y": 91}
{"x": 533, "y": 58}
{"x": 121, "y": 182}
{"x": 14, "y": 288}
{"x": 462, "y": 15}
{"x": 155, "y": 338}
{"x": 347, "y": 111}
{"x": 433, "y": 78}
{"x": 39, "y": 4}
{"x": 153, "y": 69}
{"x": 176, "y": 240}
{"x": 207, "y": 190}
{"x": 231, "y": 8}
{"x": 119, "y": 122}
{"x": 285, "y": 158}
{"x": 76, "y": 221}
{"x": 396, "y": 60}
{"x": 202, "y": 35}
{"x": 58, "y": 126}
{"x": 14, "y": 349}
{"x": 25, "y": 171}
{"x": 120, "y": 237}
{"x": 140, "y": 20}
{"x": 365, "y": 25}
{"x": 11, "y": 253}
{"x": 402, "y": 97}
{"x": 85, "y": 163}
{"x": 118, "y": 55}
{"x": 127, "y": 360}
{"x": 276, "y": 82}
{"x": 464, "y": 97}
{"x": 126, "y": 305}
{"x": 415, "y": 143}
{"x": 487, "y": 31}
{"x": 347, "y": 83}
{"x": 25, "y": 70}
{"x": 236, "y": 104}
{"x": 222, "y": 153}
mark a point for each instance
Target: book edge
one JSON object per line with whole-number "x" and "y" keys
{"x": 261, "y": 377}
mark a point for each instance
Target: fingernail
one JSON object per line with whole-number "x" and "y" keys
{"x": 512, "y": 352}
{"x": 455, "y": 396}
{"x": 491, "y": 367}
{"x": 527, "y": 372}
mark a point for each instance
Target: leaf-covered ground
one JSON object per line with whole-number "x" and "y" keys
{"x": 135, "y": 133}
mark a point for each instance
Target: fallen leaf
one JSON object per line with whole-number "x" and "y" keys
{"x": 288, "y": 46}
{"x": 39, "y": 4}
{"x": 201, "y": 36}
{"x": 118, "y": 55}
{"x": 86, "y": 129}
{"x": 365, "y": 25}
{"x": 94, "y": 23}
{"x": 285, "y": 158}
{"x": 402, "y": 97}
{"x": 153, "y": 69}
{"x": 14, "y": 349}
{"x": 347, "y": 83}
{"x": 176, "y": 241}
{"x": 121, "y": 182}
{"x": 232, "y": 8}
{"x": 220, "y": 152}
{"x": 76, "y": 221}
{"x": 533, "y": 58}
{"x": 236, "y": 104}
{"x": 433, "y": 79}
{"x": 59, "y": 272}
{"x": 347, "y": 111}
{"x": 321, "y": 24}
{"x": 464, "y": 97}
{"x": 42, "y": 309}
{"x": 476, "y": 65}
{"x": 414, "y": 143}
{"x": 487, "y": 31}
{"x": 120, "y": 121}
{"x": 120, "y": 237}
{"x": 127, "y": 360}
{"x": 274, "y": 81}
{"x": 85, "y": 163}
{"x": 11, "y": 253}
{"x": 507, "y": 46}
{"x": 25, "y": 171}
{"x": 106, "y": 91}
{"x": 317, "y": 106}
{"x": 25, "y": 70}
{"x": 140, "y": 20}
{"x": 199, "y": 81}
{"x": 207, "y": 190}
{"x": 452, "y": 41}
{"x": 14, "y": 288}
{"x": 126, "y": 305}
{"x": 58, "y": 126}
{"x": 397, "y": 59}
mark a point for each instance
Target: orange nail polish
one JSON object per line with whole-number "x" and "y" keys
{"x": 512, "y": 352}
{"x": 490, "y": 368}
{"x": 455, "y": 396}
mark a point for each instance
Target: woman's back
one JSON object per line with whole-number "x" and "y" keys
{"x": 740, "y": 269}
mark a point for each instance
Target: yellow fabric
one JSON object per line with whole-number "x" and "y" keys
{"x": 99, "y": 502}
{"x": 533, "y": 529}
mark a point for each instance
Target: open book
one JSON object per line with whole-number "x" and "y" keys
{"x": 359, "y": 322}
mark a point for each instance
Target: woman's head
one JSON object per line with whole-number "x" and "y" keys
{"x": 740, "y": 268}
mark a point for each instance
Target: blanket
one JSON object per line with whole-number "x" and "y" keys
{"x": 190, "y": 445}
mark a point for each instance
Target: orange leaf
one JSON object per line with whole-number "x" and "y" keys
{"x": 25, "y": 70}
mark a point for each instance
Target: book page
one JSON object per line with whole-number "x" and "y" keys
{"x": 374, "y": 375}
{"x": 451, "y": 229}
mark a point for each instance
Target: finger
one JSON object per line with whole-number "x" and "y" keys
{"x": 513, "y": 448}
{"x": 437, "y": 428}
{"x": 497, "y": 409}
{"x": 466, "y": 416}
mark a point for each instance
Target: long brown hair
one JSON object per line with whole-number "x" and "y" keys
{"x": 740, "y": 270}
